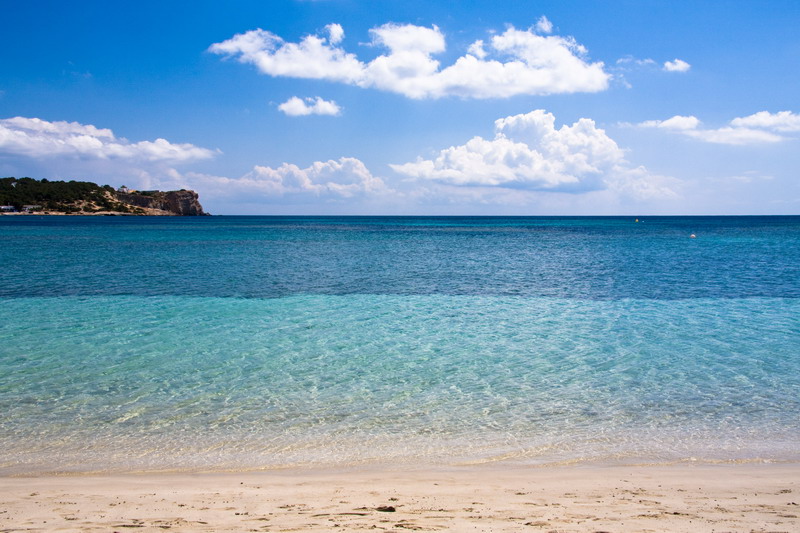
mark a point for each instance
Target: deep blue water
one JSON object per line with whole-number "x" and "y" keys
{"x": 603, "y": 258}
{"x": 254, "y": 342}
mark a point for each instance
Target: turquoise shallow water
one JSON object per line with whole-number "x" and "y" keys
{"x": 210, "y": 344}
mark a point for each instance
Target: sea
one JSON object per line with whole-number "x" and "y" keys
{"x": 195, "y": 344}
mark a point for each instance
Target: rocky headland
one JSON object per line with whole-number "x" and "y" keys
{"x": 44, "y": 197}
{"x": 179, "y": 203}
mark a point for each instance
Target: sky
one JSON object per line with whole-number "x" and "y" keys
{"x": 346, "y": 107}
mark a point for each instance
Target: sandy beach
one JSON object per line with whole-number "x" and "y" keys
{"x": 742, "y": 497}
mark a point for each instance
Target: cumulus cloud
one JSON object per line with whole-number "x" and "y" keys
{"x": 676, "y": 123}
{"x": 408, "y": 38}
{"x": 784, "y": 121}
{"x": 528, "y": 152}
{"x": 335, "y": 33}
{"x": 677, "y": 65}
{"x": 346, "y": 177}
{"x": 295, "y": 107}
{"x": 313, "y": 57}
{"x": 543, "y": 25}
{"x": 32, "y": 146}
{"x": 476, "y": 49}
{"x": 34, "y": 137}
{"x": 71, "y": 150}
{"x": 759, "y": 128}
{"x": 511, "y": 63}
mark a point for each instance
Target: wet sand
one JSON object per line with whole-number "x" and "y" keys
{"x": 743, "y": 497}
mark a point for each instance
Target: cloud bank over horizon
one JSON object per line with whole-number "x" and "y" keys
{"x": 529, "y": 161}
{"x": 84, "y": 151}
{"x": 511, "y": 63}
{"x": 344, "y": 178}
{"x": 528, "y": 157}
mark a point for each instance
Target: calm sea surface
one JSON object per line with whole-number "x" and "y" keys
{"x": 257, "y": 342}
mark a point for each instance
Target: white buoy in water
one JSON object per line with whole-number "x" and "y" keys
{"x": 693, "y": 236}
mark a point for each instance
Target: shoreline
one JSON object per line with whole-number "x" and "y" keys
{"x": 152, "y": 213}
{"x": 680, "y": 497}
{"x": 398, "y": 466}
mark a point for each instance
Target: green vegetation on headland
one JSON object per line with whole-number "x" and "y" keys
{"x": 86, "y": 198}
{"x": 61, "y": 196}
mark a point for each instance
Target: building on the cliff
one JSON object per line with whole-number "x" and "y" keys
{"x": 8, "y": 209}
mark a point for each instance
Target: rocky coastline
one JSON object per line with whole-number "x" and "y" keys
{"x": 27, "y": 196}
{"x": 169, "y": 203}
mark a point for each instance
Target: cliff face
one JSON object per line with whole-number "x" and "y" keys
{"x": 45, "y": 197}
{"x": 181, "y": 203}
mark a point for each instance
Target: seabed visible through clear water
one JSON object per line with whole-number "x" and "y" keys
{"x": 231, "y": 343}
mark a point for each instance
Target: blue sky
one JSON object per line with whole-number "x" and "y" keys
{"x": 389, "y": 107}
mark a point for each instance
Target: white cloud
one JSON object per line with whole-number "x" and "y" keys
{"x": 750, "y": 176}
{"x": 477, "y": 49}
{"x": 71, "y": 150}
{"x": 37, "y": 125}
{"x": 335, "y": 33}
{"x": 313, "y": 57}
{"x": 400, "y": 38}
{"x": 295, "y": 106}
{"x": 344, "y": 178}
{"x": 678, "y": 65}
{"x": 543, "y": 25}
{"x": 734, "y": 136}
{"x": 514, "y": 62}
{"x": 678, "y": 122}
{"x": 529, "y": 153}
{"x": 630, "y": 60}
{"x": 759, "y": 128}
{"x": 34, "y": 137}
{"x": 780, "y": 121}
{"x": 630, "y": 63}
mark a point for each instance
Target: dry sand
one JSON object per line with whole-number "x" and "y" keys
{"x": 614, "y": 499}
